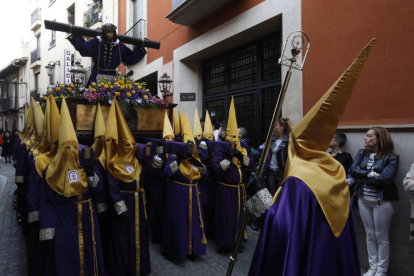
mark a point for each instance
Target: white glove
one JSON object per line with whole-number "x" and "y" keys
{"x": 156, "y": 162}
{"x": 225, "y": 164}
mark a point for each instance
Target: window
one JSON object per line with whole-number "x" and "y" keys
{"x": 71, "y": 15}
{"x": 252, "y": 75}
{"x": 53, "y": 38}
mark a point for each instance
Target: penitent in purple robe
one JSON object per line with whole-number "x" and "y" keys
{"x": 182, "y": 233}
{"x": 129, "y": 249}
{"x": 107, "y": 56}
{"x": 230, "y": 198}
{"x": 70, "y": 225}
{"x": 296, "y": 239}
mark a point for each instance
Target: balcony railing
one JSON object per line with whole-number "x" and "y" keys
{"x": 7, "y": 104}
{"x": 35, "y": 93}
{"x": 93, "y": 15}
{"x": 35, "y": 55}
{"x": 35, "y": 16}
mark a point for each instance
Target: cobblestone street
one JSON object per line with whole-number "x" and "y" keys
{"x": 13, "y": 245}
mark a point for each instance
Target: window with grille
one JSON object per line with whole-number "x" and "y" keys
{"x": 252, "y": 75}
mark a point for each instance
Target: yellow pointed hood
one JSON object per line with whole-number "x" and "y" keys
{"x": 186, "y": 168}
{"x": 197, "y": 130}
{"x": 181, "y": 117}
{"x": 309, "y": 140}
{"x": 208, "y": 128}
{"x": 99, "y": 132}
{"x": 38, "y": 124}
{"x": 167, "y": 131}
{"x": 111, "y": 138}
{"x": 65, "y": 175}
{"x": 232, "y": 133}
{"x": 44, "y": 145}
{"x": 30, "y": 128}
{"x": 124, "y": 165}
{"x": 43, "y": 160}
{"x": 177, "y": 126}
{"x": 23, "y": 131}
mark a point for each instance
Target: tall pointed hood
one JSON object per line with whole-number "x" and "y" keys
{"x": 124, "y": 165}
{"x": 180, "y": 115}
{"x": 99, "y": 132}
{"x": 111, "y": 138}
{"x": 309, "y": 140}
{"x": 44, "y": 145}
{"x": 208, "y": 128}
{"x": 43, "y": 160}
{"x": 38, "y": 124}
{"x": 197, "y": 130}
{"x": 65, "y": 175}
{"x": 186, "y": 168}
{"x": 30, "y": 128}
{"x": 177, "y": 126}
{"x": 167, "y": 131}
{"x": 232, "y": 133}
{"x": 22, "y": 133}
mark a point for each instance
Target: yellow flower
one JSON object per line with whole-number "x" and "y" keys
{"x": 62, "y": 96}
{"x": 117, "y": 93}
{"x": 58, "y": 88}
{"x": 121, "y": 82}
{"x": 146, "y": 97}
{"x": 128, "y": 94}
{"x": 111, "y": 86}
{"x": 133, "y": 91}
{"x": 140, "y": 87}
{"x": 72, "y": 85}
{"x": 93, "y": 90}
{"x": 122, "y": 87}
{"x": 101, "y": 84}
{"x": 147, "y": 90}
{"x": 50, "y": 90}
{"x": 93, "y": 84}
{"x": 108, "y": 93}
{"x": 149, "y": 93}
{"x": 62, "y": 86}
{"x": 44, "y": 98}
{"x": 69, "y": 89}
{"x": 106, "y": 86}
{"x": 117, "y": 84}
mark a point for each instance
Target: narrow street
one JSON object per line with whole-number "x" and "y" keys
{"x": 13, "y": 244}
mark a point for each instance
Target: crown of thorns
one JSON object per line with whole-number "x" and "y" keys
{"x": 109, "y": 27}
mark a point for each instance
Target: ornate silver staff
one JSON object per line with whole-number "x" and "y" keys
{"x": 298, "y": 40}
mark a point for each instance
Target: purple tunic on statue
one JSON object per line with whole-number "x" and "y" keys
{"x": 230, "y": 198}
{"x": 108, "y": 56}
{"x": 182, "y": 233}
{"x": 297, "y": 240}
{"x": 130, "y": 235}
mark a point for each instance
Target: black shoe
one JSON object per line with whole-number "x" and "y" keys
{"x": 192, "y": 257}
{"x": 241, "y": 248}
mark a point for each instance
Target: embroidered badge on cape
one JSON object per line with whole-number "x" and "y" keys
{"x": 73, "y": 176}
{"x": 129, "y": 169}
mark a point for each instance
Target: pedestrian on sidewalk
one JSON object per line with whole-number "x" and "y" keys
{"x": 7, "y": 146}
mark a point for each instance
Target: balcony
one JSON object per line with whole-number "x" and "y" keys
{"x": 35, "y": 22}
{"x": 93, "y": 16}
{"x": 35, "y": 58}
{"x": 9, "y": 104}
{"x": 35, "y": 93}
{"x": 192, "y": 12}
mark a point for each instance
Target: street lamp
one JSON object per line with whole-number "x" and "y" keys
{"x": 78, "y": 76}
{"x": 50, "y": 69}
{"x": 165, "y": 83}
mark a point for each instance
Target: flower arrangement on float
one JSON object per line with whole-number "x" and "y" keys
{"x": 126, "y": 90}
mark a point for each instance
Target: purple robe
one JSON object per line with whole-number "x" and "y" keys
{"x": 128, "y": 239}
{"x": 182, "y": 237}
{"x": 297, "y": 240}
{"x": 69, "y": 225}
{"x": 230, "y": 198}
{"x": 108, "y": 56}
